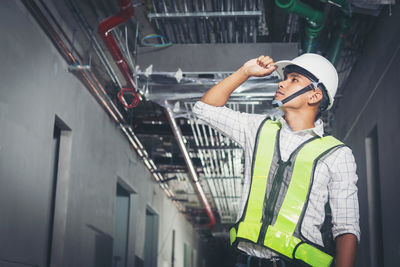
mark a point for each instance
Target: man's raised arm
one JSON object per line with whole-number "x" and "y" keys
{"x": 219, "y": 94}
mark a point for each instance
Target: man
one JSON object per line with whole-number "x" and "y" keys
{"x": 293, "y": 174}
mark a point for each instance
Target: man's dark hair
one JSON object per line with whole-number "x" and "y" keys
{"x": 323, "y": 104}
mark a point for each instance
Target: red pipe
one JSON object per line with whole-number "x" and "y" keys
{"x": 207, "y": 206}
{"x": 104, "y": 29}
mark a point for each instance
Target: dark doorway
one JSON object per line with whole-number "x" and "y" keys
{"x": 374, "y": 199}
{"x": 58, "y": 191}
{"x": 121, "y": 227}
{"x": 151, "y": 238}
{"x": 54, "y": 173}
{"x": 173, "y": 249}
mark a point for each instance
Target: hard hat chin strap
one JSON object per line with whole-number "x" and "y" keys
{"x": 280, "y": 103}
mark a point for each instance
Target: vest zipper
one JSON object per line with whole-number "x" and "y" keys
{"x": 276, "y": 187}
{"x": 273, "y": 197}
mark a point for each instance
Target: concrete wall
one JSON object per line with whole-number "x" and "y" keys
{"x": 36, "y": 87}
{"x": 371, "y": 99}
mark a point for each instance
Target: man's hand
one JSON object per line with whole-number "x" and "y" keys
{"x": 219, "y": 94}
{"x": 259, "y": 67}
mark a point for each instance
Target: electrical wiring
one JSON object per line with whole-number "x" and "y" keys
{"x": 164, "y": 41}
{"x": 127, "y": 49}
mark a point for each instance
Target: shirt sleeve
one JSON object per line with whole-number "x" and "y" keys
{"x": 231, "y": 123}
{"x": 343, "y": 197}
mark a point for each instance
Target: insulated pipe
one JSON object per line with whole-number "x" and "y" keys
{"x": 192, "y": 172}
{"x": 311, "y": 35}
{"x": 314, "y": 19}
{"x": 104, "y": 29}
{"x": 301, "y": 9}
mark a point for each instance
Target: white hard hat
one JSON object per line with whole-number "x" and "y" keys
{"x": 319, "y": 67}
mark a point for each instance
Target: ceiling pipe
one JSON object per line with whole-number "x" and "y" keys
{"x": 104, "y": 29}
{"x": 85, "y": 76}
{"x": 192, "y": 172}
{"x": 75, "y": 61}
{"x": 88, "y": 32}
{"x": 90, "y": 80}
{"x": 315, "y": 23}
{"x": 315, "y": 20}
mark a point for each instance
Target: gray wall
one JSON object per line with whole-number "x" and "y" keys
{"x": 35, "y": 87}
{"x": 371, "y": 98}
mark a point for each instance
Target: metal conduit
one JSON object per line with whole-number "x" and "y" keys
{"x": 79, "y": 59}
{"x": 222, "y": 164}
{"x": 215, "y": 172}
{"x": 206, "y": 169}
{"x": 209, "y": 22}
{"x": 212, "y": 176}
{"x": 192, "y": 172}
{"x": 220, "y": 172}
{"x": 211, "y": 157}
{"x": 88, "y": 32}
{"x": 92, "y": 83}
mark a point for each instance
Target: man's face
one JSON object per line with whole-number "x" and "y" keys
{"x": 293, "y": 82}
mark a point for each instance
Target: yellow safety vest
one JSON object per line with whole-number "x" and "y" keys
{"x": 255, "y": 226}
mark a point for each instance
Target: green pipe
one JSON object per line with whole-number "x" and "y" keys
{"x": 311, "y": 35}
{"x": 314, "y": 19}
{"x": 344, "y": 25}
{"x": 301, "y": 9}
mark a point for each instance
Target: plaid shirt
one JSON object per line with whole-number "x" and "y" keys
{"x": 334, "y": 179}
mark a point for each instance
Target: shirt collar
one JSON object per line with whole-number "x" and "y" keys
{"x": 317, "y": 130}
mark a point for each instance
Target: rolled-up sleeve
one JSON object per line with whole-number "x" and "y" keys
{"x": 229, "y": 122}
{"x": 343, "y": 197}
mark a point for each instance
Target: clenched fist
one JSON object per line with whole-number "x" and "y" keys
{"x": 259, "y": 67}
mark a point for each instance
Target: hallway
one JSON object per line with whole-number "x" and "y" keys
{"x": 103, "y": 162}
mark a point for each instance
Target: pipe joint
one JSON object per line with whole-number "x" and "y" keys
{"x": 104, "y": 29}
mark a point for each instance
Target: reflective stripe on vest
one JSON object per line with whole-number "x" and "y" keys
{"x": 279, "y": 237}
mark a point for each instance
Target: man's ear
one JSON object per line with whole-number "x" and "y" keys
{"x": 315, "y": 97}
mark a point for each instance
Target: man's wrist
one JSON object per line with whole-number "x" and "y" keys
{"x": 242, "y": 72}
